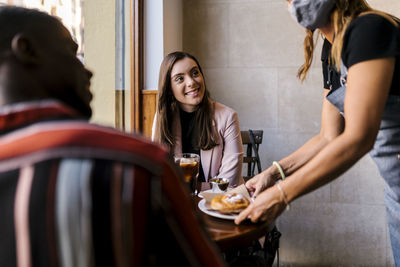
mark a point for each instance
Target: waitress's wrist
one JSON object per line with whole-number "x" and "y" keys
{"x": 283, "y": 196}
{"x": 276, "y": 172}
{"x": 272, "y": 175}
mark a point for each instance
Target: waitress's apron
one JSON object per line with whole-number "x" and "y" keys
{"x": 386, "y": 154}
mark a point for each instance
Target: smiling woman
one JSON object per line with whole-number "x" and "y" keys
{"x": 187, "y": 84}
{"x": 189, "y": 121}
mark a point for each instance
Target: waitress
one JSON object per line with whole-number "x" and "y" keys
{"x": 189, "y": 121}
{"x": 360, "y": 112}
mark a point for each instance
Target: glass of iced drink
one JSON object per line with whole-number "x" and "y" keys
{"x": 189, "y": 163}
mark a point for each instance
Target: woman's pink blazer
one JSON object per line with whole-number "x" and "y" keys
{"x": 224, "y": 160}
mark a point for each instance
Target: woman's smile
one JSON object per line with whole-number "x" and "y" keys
{"x": 194, "y": 92}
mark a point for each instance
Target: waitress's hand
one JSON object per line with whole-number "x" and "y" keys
{"x": 259, "y": 183}
{"x": 265, "y": 208}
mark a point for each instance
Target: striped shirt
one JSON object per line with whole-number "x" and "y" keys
{"x": 78, "y": 194}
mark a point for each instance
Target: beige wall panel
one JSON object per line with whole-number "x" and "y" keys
{"x": 299, "y": 105}
{"x": 100, "y": 57}
{"x": 360, "y": 185}
{"x": 333, "y": 235}
{"x": 263, "y": 35}
{"x": 391, "y": 6}
{"x": 389, "y": 254}
{"x": 173, "y": 26}
{"x": 205, "y": 31}
{"x": 250, "y": 92}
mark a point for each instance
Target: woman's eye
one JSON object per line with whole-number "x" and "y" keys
{"x": 196, "y": 73}
{"x": 178, "y": 79}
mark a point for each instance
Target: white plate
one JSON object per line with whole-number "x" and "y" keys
{"x": 205, "y": 208}
{"x": 207, "y": 191}
{"x": 211, "y": 194}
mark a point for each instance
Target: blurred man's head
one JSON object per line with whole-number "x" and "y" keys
{"x": 38, "y": 60}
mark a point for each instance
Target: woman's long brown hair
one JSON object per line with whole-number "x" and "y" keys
{"x": 167, "y": 106}
{"x": 343, "y": 13}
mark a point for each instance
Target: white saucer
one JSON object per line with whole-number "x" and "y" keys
{"x": 204, "y": 207}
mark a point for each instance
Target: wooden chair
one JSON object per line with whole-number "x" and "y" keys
{"x": 252, "y": 140}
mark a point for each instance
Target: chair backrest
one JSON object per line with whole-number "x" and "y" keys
{"x": 95, "y": 203}
{"x": 251, "y": 140}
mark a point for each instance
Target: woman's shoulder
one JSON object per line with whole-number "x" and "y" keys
{"x": 373, "y": 21}
{"x": 370, "y": 36}
{"x": 376, "y": 16}
{"x": 224, "y": 116}
{"x": 223, "y": 109}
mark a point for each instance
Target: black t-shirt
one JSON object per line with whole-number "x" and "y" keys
{"x": 188, "y": 121}
{"x": 331, "y": 76}
{"x": 367, "y": 37}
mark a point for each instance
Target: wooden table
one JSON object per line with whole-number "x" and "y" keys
{"x": 228, "y": 235}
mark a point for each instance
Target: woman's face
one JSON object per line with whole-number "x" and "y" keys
{"x": 187, "y": 84}
{"x": 311, "y": 14}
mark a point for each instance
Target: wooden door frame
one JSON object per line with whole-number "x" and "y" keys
{"x": 136, "y": 63}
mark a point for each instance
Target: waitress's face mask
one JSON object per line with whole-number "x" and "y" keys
{"x": 311, "y": 14}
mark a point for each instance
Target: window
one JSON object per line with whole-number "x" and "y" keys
{"x": 69, "y": 11}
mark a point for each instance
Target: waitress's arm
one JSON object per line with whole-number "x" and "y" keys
{"x": 368, "y": 85}
{"x": 332, "y": 125}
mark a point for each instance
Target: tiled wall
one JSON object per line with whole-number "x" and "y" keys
{"x": 250, "y": 51}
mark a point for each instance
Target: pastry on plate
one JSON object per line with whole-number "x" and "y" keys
{"x": 229, "y": 203}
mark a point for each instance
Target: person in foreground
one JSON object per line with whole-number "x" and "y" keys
{"x": 360, "y": 112}
{"x": 73, "y": 193}
{"x": 188, "y": 121}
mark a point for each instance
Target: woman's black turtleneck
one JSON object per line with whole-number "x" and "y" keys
{"x": 188, "y": 123}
